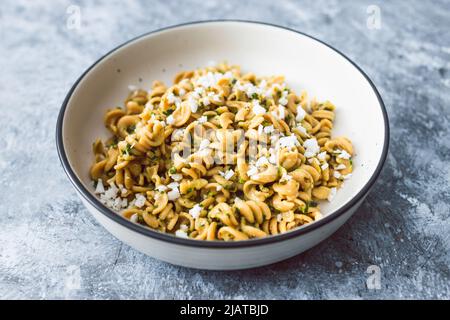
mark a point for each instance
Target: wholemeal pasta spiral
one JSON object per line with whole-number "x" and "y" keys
{"x": 220, "y": 155}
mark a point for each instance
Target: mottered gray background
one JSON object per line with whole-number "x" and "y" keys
{"x": 52, "y": 248}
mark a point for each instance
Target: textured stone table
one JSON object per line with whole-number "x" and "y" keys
{"x": 51, "y": 247}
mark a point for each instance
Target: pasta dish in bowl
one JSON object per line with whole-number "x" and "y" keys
{"x": 226, "y": 165}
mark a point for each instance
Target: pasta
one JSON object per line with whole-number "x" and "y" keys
{"x": 220, "y": 155}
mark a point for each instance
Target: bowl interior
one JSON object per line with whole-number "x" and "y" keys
{"x": 262, "y": 49}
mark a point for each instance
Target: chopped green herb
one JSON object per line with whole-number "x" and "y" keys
{"x": 266, "y": 123}
{"x": 130, "y": 129}
{"x": 168, "y": 112}
{"x": 233, "y": 81}
{"x": 241, "y": 180}
{"x": 351, "y": 161}
{"x": 127, "y": 149}
{"x": 255, "y": 96}
{"x": 313, "y": 204}
{"x": 114, "y": 142}
{"x": 306, "y": 209}
{"x": 140, "y": 219}
{"x": 173, "y": 170}
{"x": 190, "y": 190}
{"x": 280, "y": 171}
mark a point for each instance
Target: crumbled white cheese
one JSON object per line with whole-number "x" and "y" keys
{"x": 177, "y": 135}
{"x": 269, "y": 129}
{"x": 123, "y": 191}
{"x": 332, "y": 194}
{"x": 149, "y": 106}
{"x": 173, "y": 194}
{"x": 347, "y": 176}
{"x": 340, "y": 167}
{"x": 181, "y": 234}
{"x": 140, "y": 200}
{"x": 285, "y": 177}
{"x": 252, "y": 171}
{"x": 227, "y": 175}
{"x": 171, "y": 98}
{"x": 344, "y": 155}
{"x": 170, "y": 119}
{"x": 302, "y": 129}
{"x": 211, "y": 79}
{"x": 311, "y": 147}
{"x": 100, "y": 188}
{"x": 206, "y": 101}
{"x": 279, "y": 217}
{"x": 336, "y": 174}
{"x": 273, "y": 159}
{"x": 204, "y": 144}
{"x": 300, "y": 113}
{"x": 195, "y": 211}
{"x": 288, "y": 142}
{"x": 324, "y": 166}
{"x": 260, "y": 129}
{"x": 261, "y": 162}
{"x": 283, "y": 101}
{"x": 134, "y": 218}
{"x": 218, "y": 187}
{"x": 237, "y": 200}
{"x": 257, "y": 109}
{"x": 216, "y": 98}
{"x": 279, "y": 113}
{"x": 322, "y": 156}
{"x": 192, "y": 103}
{"x": 202, "y": 119}
{"x": 176, "y": 176}
{"x": 173, "y": 185}
{"x": 181, "y": 92}
{"x": 161, "y": 188}
{"x": 184, "y": 227}
{"x": 111, "y": 192}
{"x": 199, "y": 90}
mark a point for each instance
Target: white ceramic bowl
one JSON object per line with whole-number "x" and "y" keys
{"x": 264, "y": 49}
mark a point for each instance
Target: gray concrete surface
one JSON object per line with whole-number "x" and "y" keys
{"x": 51, "y": 247}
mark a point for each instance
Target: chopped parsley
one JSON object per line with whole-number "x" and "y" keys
{"x": 168, "y": 112}
{"x": 173, "y": 170}
{"x": 306, "y": 208}
{"x": 313, "y": 204}
{"x": 127, "y": 149}
{"x": 255, "y": 96}
{"x": 131, "y": 129}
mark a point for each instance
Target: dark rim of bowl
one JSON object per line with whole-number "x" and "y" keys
{"x": 216, "y": 244}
